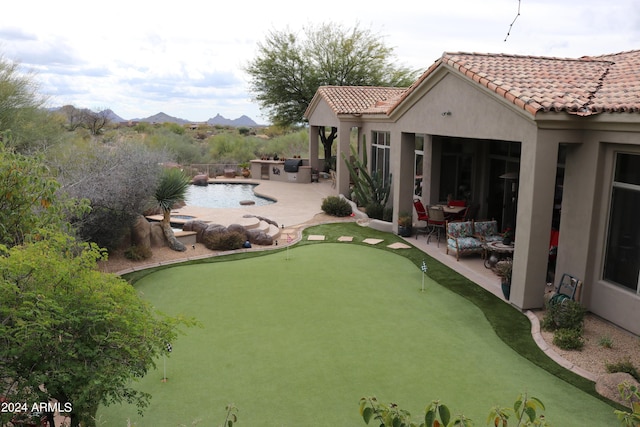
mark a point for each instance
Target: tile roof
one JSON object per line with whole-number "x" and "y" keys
{"x": 360, "y": 99}
{"x": 581, "y": 86}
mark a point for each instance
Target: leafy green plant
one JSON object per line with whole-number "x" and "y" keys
{"x": 525, "y": 412}
{"x": 623, "y": 366}
{"x": 567, "y": 314}
{"x": 336, "y": 206}
{"x": 631, "y": 394}
{"x": 568, "y": 339}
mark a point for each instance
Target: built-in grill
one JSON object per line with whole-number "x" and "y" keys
{"x": 292, "y": 165}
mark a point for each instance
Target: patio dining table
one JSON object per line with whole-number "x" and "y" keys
{"x": 453, "y": 212}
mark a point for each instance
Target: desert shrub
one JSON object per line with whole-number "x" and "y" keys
{"x": 375, "y": 210}
{"x": 568, "y": 314}
{"x": 568, "y": 339}
{"x": 623, "y": 366}
{"x": 224, "y": 241}
{"x": 336, "y": 206}
{"x": 137, "y": 253}
{"x": 605, "y": 342}
{"x": 387, "y": 214}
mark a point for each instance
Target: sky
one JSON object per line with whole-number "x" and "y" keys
{"x": 187, "y": 59}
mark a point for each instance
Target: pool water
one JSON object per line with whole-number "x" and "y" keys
{"x": 223, "y": 196}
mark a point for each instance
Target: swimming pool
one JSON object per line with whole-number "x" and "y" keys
{"x": 223, "y": 196}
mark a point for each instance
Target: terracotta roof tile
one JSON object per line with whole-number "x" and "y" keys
{"x": 360, "y": 99}
{"x": 581, "y": 86}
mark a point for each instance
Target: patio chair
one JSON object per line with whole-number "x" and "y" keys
{"x": 422, "y": 216}
{"x": 436, "y": 222}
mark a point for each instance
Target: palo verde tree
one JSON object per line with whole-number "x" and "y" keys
{"x": 72, "y": 333}
{"x": 289, "y": 68}
{"x": 28, "y": 198}
{"x": 24, "y": 125}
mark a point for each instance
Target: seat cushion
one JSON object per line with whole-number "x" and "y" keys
{"x": 465, "y": 244}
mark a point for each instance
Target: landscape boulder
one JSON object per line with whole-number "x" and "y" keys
{"x": 258, "y": 237}
{"x": 141, "y": 233}
{"x": 198, "y": 226}
{"x": 201, "y": 179}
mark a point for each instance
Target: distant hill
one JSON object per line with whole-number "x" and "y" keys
{"x": 162, "y": 118}
{"x": 240, "y": 121}
{"x": 165, "y": 118}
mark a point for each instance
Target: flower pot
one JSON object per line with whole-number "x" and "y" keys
{"x": 506, "y": 288}
{"x": 507, "y": 240}
{"x": 404, "y": 231}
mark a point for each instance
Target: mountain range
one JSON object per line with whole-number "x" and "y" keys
{"x": 217, "y": 120}
{"x": 165, "y": 118}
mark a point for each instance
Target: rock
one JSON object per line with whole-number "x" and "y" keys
{"x": 258, "y": 237}
{"x": 157, "y": 235}
{"x": 238, "y": 229}
{"x": 202, "y": 180}
{"x": 607, "y": 386}
{"x": 197, "y": 226}
{"x": 141, "y": 233}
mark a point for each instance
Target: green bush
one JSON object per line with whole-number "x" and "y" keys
{"x": 623, "y": 366}
{"x": 568, "y": 314}
{"x": 336, "y": 206}
{"x": 138, "y": 253}
{"x": 224, "y": 241}
{"x": 375, "y": 210}
{"x": 568, "y": 339}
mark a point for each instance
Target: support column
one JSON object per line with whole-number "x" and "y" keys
{"x": 314, "y": 143}
{"x": 342, "y": 173}
{"x": 402, "y": 170}
{"x": 538, "y": 165}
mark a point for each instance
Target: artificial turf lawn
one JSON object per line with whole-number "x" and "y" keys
{"x": 299, "y": 341}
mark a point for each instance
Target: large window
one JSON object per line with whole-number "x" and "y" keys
{"x": 622, "y": 259}
{"x": 380, "y": 154}
{"x": 418, "y": 160}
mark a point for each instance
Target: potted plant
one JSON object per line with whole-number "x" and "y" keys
{"x": 405, "y": 221}
{"x": 507, "y": 236}
{"x": 504, "y": 270}
{"x": 245, "y": 169}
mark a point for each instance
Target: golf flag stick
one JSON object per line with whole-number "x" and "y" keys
{"x": 164, "y": 363}
{"x": 423, "y": 267}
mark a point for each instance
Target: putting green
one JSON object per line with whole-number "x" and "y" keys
{"x": 298, "y": 337}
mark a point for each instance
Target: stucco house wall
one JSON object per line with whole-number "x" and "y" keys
{"x": 448, "y": 101}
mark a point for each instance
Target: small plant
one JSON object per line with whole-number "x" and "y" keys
{"x": 630, "y": 394}
{"x": 405, "y": 220}
{"x": 375, "y": 210}
{"x": 605, "y": 342}
{"x": 567, "y": 314}
{"x": 568, "y": 339}
{"x": 525, "y": 412}
{"x": 623, "y": 366}
{"x": 336, "y": 206}
{"x": 138, "y": 253}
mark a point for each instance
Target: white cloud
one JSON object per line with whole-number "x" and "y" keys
{"x": 186, "y": 59}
